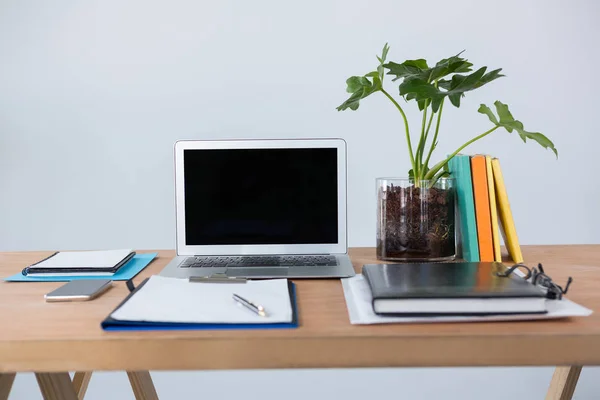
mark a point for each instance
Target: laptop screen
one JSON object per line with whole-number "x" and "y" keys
{"x": 260, "y": 196}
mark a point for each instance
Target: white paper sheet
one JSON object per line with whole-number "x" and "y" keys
{"x": 164, "y": 299}
{"x": 360, "y": 309}
{"x": 87, "y": 259}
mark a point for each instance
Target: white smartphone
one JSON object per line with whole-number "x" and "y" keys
{"x": 81, "y": 290}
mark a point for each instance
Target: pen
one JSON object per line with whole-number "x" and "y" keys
{"x": 258, "y": 309}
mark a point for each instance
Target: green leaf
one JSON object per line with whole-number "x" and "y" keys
{"x": 444, "y": 84}
{"x": 408, "y": 69}
{"x": 507, "y": 121}
{"x": 352, "y": 103}
{"x": 411, "y": 69}
{"x": 354, "y": 83}
{"x": 540, "y": 138}
{"x": 380, "y": 69}
{"x": 503, "y": 113}
{"x": 455, "y": 99}
{"x": 384, "y": 53}
{"x": 428, "y": 86}
{"x": 447, "y": 66}
{"x": 490, "y": 76}
{"x": 411, "y": 96}
{"x": 418, "y": 88}
{"x": 483, "y": 109}
{"x": 360, "y": 87}
{"x": 421, "y": 91}
{"x": 465, "y": 83}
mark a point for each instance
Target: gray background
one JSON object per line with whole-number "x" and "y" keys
{"x": 93, "y": 94}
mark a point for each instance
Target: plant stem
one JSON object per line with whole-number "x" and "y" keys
{"x": 437, "y": 129}
{"x": 421, "y": 163}
{"x": 429, "y": 124}
{"x": 439, "y": 165}
{"x": 410, "y": 151}
{"x": 436, "y": 178}
{"x": 421, "y": 147}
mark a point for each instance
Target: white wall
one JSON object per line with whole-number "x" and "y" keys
{"x": 93, "y": 95}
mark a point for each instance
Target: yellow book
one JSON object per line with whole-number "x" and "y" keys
{"x": 507, "y": 224}
{"x": 493, "y": 210}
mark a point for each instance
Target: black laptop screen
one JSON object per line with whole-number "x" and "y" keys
{"x": 261, "y": 196}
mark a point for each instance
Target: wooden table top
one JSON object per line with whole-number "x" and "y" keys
{"x": 47, "y": 337}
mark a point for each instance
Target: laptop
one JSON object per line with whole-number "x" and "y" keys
{"x": 260, "y": 209}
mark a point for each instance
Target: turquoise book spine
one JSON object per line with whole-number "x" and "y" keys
{"x": 460, "y": 168}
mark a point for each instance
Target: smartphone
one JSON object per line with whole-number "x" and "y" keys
{"x": 85, "y": 289}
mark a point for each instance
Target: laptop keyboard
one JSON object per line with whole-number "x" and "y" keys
{"x": 262, "y": 261}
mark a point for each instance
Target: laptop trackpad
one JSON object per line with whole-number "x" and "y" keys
{"x": 257, "y": 271}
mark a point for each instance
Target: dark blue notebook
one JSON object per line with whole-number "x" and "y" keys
{"x": 110, "y": 324}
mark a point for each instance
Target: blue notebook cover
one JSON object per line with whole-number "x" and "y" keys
{"x": 460, "y": 168}
{"x": 125, "y": 273}
{"x": 110, "y": 324}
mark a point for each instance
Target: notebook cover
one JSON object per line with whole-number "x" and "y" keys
{"x": 493, "y": 209}
{"x": 110, "y": 324}
{"x": 445, "y": 281}
{"x": 460, "y": 168}
{"x": 482, "y": 208}
{"x": 507, "y": 224}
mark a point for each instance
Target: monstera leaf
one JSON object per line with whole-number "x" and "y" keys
{"x": 447, "y": 66}
{"x": 421, "y": 90}
{"x": 411, "y": 69}
{"x": 418, "y": 69}
{"x": 507, "y": 121}
{"x": 360, "y": 87}
{"x": 460, "y": 84}
{"x": 425, "y": 84}
{"x": 364, "y": 86}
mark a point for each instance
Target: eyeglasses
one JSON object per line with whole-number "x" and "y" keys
{"x": 539, "y": 278}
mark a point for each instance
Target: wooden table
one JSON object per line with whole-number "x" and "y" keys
{"x": 52, "y": 338}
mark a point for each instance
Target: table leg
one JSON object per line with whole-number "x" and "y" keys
{"x": 81, "y": 380}
{"x": 56, "y": 386}
{"x": 6, "y": 381}
{"x": 562, "y": 385}
{"x": 141, "y": 383}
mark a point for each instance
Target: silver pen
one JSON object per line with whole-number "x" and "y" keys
{"x": 258, "y": 309}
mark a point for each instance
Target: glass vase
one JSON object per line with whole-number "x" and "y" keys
{"x": 415, "y": 221}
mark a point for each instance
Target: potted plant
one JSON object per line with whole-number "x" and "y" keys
{"x": 416, "y": 213}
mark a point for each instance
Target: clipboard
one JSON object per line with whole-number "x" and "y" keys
{"x": 111, "y": 324}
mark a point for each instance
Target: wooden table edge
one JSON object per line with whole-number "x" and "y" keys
{"x": 275, "y": 353}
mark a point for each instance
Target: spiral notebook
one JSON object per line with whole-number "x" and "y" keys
{"x": 65, "y": 263}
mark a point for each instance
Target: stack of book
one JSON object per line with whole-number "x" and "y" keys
{"x": 483, "y": 209}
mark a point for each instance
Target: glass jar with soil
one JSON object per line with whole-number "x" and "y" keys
{"x": 415, "y": 222}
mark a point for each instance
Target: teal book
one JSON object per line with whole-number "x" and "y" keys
{"x": 460, "y": 168}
